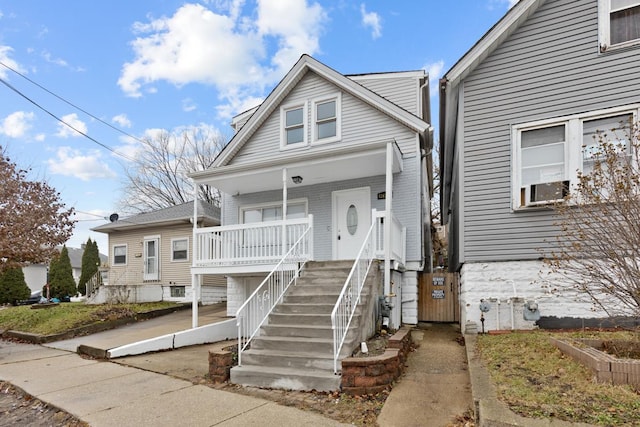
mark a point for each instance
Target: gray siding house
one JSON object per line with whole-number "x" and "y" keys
{"x": 343, "y": 153}
{"x": 516, "y": 111}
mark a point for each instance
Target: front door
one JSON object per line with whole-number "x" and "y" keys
{"x": 151, "y": 258}
{"x": 351, "y": 221}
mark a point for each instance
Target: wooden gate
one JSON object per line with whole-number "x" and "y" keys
{"x": 438, "y": 297}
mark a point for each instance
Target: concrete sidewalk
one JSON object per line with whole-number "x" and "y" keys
{"x": 108, "y": 394}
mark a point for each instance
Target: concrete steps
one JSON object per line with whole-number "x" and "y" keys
{"x": 295, "y": 348}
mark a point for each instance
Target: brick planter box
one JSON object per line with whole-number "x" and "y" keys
{"x": 608, "y": 368}
{"x": 220, "y": 364}
{"x": 370, "y": 375}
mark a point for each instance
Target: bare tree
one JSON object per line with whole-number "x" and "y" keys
{"x": 597, "y": 252}
{"x": 438, "y": 238}
{"x": 33, "y": 220}
{"x": 158, "y": 178}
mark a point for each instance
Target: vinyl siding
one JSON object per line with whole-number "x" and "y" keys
{"x": 550, "y": 67}
{"x": 405, "y": 202}
{"x": 178, "y": 272}
{"x": 359, "y": 121}
{"x": 402, "y": 91}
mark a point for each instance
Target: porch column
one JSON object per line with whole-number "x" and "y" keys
{"x": 284, "y": 211}
{"x": 387, "y": 220}
{"x": 194, "y": 277}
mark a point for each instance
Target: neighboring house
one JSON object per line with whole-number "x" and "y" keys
{"x": 516, "y": 111}
{"x": 334, "y": 148}
{"x": 150, "y": 256}
{"x": 36, "y": 274}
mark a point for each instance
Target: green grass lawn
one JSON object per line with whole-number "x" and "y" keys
{"x": 537, "y": 380}
{"x": 66, "y": 316}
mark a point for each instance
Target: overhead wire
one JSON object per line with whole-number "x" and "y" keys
{"x": 70, "y": 103}
{"x": 64, "y": 122}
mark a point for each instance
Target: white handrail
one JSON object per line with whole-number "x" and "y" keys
{"x": 256, "y": 309}
{"x": 349, "y": 298}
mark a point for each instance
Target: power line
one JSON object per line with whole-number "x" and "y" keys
{"x": 65, "y": 123}
{"x": 70, "y": 103}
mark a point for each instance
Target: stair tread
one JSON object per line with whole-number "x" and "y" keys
{"x": 302, "y": 354}
{"x": 266, "y": 370}
{"x": 294, "y": 339}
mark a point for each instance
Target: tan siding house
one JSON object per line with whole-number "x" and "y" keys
{"x": 150, "y": 257}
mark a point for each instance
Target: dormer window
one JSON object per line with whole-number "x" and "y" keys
{"x": 619, "y": 22}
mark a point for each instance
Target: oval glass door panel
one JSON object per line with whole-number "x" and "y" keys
{"x": 352, "y": 220}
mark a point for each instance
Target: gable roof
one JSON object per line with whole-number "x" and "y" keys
{"x": 519, "y": 13}
{"x": 304, "y": 64}
{"x": 174, "y": 214}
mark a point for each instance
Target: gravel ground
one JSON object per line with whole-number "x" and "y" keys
{"x": 20, "y": 409}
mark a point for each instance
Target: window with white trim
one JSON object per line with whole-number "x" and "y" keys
{"x": 619, "y": 22}
{"x": 180, "y": 249}
{"x": 548, "y": 154}
{"x": 294, "y": 131}
{"x": 120, "y": 255}
{"x": 326, "y": 119}
{"x": 273, "y": 212}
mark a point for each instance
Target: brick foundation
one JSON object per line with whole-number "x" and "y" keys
{"x": 370, "y": 375}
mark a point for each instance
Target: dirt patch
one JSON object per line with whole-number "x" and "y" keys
{"x": 20, "y": 409}
{"x": 622, "y": 349}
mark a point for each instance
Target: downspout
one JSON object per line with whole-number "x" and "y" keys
{"x": 194, "y": 278}
{"x": 387, "y": 222}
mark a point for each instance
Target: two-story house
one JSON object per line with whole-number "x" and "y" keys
{"x": 328, "y": 171}
{"x": 516, "y": 111}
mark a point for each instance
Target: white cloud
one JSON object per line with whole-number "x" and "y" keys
{"x": 500, "y": 3}
{"x": 16, "y": 125}
{"x": 72, "y": 119}
{"x": 371, "y": 20}
{"x": 188, "y": 105}
{"x": 237, "y": 54}
{"x": 69, "y": 162}
{"x": 122, "y": 120}
{"x": 434, "y": 70}
{"x": 5, "y": 51}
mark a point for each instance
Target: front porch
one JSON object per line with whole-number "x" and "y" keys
{"x": 258, "y": 247}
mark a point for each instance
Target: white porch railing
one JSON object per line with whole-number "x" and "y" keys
{"x": 349, "y": 298}
{"x": 256, "y": 309}
{"x": 398, "y": 237}
{"x": 254, "y": 243}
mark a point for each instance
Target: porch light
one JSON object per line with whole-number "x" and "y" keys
{"x": 296, "y": 179}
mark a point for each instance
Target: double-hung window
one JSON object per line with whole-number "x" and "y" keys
{"x": 619, "y": 22}
{"x": 180, "y": 249}
{"x": 548, "y": 155}
{"x": 120, "y": 255}
{"x": 293, "y": 126}
{"x": 326, "y": 119}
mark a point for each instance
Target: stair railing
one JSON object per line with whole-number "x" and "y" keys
{"x": 93, "y": 284}
{"x": 349, "y": 298}
{"x": 256, "y": 309}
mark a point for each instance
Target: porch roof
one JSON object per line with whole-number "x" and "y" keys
{"x": 317, "y": 167}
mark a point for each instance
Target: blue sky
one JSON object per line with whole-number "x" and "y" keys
{"x": 148, "y": 65}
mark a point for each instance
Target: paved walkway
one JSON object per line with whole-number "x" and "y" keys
{"x": 106, "y": 394}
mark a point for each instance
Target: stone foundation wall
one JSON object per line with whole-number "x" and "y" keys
{"x": 370, "y": 375}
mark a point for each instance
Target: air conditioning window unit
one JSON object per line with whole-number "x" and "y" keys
{"x": 544, "y": 193}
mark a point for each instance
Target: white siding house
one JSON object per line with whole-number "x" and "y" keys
{"x": 514, "y": 112}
